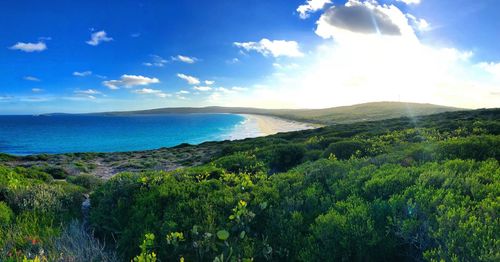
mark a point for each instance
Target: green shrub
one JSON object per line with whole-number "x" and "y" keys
{"x": 281, "y": 158}
{"x": 90, "y": 182}
{"x": 55, "y": 172}
{"x": 475, "y": 147}
{"x": 34, "y": 173}
{"x": 6, "y": 214}
{"x": 345, "y": 149}
{"x": 240, "y": 163}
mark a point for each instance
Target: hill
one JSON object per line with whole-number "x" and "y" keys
{"x": 334, "y": 115}
{"x": 403, "y": 189}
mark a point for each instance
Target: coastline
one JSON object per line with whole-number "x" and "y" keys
{"x": 261, "y": 125}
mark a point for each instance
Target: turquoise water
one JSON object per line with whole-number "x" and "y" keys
{"x": 22, "y": 135}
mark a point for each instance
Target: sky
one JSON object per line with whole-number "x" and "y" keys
{"x": 92, "y": 56}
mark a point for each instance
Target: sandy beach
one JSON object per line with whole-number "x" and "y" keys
{"x": 260, "y": 125}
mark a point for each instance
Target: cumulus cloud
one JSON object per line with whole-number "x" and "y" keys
{"x": 98, "y": 37}
{"x": 129, "y": 81}
{"x": 156, "y": 61}
{"x": 82, "y": 74}
{"x": 419, "y": 23}
{"x": 31, "y": 78}
{"x": 209, "y": 82}
{"x": 189, "y": 79}
{"x": 183, "y": 92}
{"x": 359, "y": 65}
{"x": 275, "y": 48}
{"x": 29, "y": 47}
{"x": 311, "y": 6}
{"x": 202, "y": 88}
{"x": 360, "y": 17}
{"x": 185, "y": 59}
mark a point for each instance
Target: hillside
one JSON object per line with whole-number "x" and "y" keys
{"x": 403, "y": 189}
{"x": 334, "y": 115}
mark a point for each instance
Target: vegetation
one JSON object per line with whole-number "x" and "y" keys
{"x": 406, "y": 189}
{"x": 334, "y": 115}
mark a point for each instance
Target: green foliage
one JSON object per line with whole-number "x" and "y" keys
{"x": 345, "y": 149}
{"x": 474, "y": 147}
{"x": 89, "y": 182}
{"x": 56, "y": 172}
{"x": 240, "y": 163}
{"x": 33, "y": 210}
{"x": 6, "y": 214}
{"x": 409, "y": 189}
{"x": 281, "y": 158}
{"x": 147, "y": 255}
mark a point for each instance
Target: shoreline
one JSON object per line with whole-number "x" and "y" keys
{"x": 262, "y": 125}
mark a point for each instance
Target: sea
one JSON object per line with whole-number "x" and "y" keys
{"x": 53, "y": 134}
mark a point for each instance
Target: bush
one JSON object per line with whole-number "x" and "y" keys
{"x": 6, "y": 214}
{"x": 89, "y": 182}
{"x": 281, "y": 158}
{"x": 34, "y": 173}
{"x": 478, "y": 148}
{"x": 240, "y": 163}
{"x": 344, "y": 149}
{"x": 55, "y": 172}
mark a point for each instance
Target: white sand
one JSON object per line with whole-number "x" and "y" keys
{"x": 259, "y": 125}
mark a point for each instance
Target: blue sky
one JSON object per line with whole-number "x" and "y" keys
{"x": 88, "y": 56}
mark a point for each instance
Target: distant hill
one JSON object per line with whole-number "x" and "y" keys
{"x": 334, "y": 115}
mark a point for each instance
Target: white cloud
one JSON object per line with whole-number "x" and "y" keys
{"x": 82, "y": 74}
{"x": 356, "y": 19}
{"x": 149, "y": 91}
{"x": 156, "y": 61}
{"x": 29, "y": 47}
{"x": 101, "y": 76}
{"x": 5, "y": 98}
{"x": 419, "y": 23}
{"x": 311, "y": 6}
{"x": 129, "y": 81}
{"x": 360, "y": 64}
{"x": 189, "y": 79}
{"x": 410, "y": 2}
{"x": 228, "y": 96}
{"x": 209, "y": 82}
{"x": 36, "y": 90}
{"x": 225, "y": 90}
{"x": 183, "y": 92}
{"x": 185, "y": 59}
{"x": 232, "y": 61}
{"x": 163, "y": 95}
{"x": 238, "y": 88}
{"x": 276, "y": 48}
{"x": 31, "y": 78}
{"x": 88, "y": 92}
{"x": 491, "y": 68}
{"x": 98, "y": 37}
{"x": 202, "y": 88}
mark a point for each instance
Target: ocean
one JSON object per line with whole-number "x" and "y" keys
{"x": 24, "y": 135}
